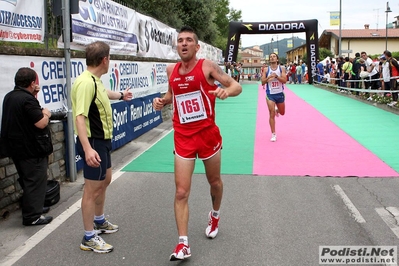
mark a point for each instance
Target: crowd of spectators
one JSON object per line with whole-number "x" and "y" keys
{"x": 362, "y": 75}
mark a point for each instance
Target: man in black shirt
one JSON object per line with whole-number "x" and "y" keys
{"x": 356, "y": 72}
{"x": 24, "y": 128}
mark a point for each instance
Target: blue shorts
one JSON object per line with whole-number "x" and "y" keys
{"x": 103, "y": 148}
{"x": 277, "y": 98}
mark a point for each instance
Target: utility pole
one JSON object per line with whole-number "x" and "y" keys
{"x": 340, "y": 28}
{"x": 378, "y": 16}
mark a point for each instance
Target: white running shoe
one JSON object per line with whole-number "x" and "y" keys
{"x": 181, "y": 252}
{"x": 106, "y": 228}
{"x": 96, "y": 244}
{"x": 370, "y": 98}
{"x": 274, "y": 137}
{"x": 213, "y": 226}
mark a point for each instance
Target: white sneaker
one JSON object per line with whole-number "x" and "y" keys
{"x": 392, "y": 104}
{"x": 213, "y": 226}
{"x": 370, "y": 98}
{"x": 274, "y": 137}
{"x": 181, "y": 252}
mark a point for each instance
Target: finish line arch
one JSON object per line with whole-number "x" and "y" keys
{"x": 307, "y": 26}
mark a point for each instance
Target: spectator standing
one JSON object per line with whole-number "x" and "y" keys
{"x": 394, "y": 72}
{"x": 373, "y": 76}
{"x": 356, "y": 72}
{"x": 332, "y": 72}
{"x": 239, "y": 69}
{"x": 346, "y": 72}
{"x": 299, "y": 74}
{"x": 303, "y": 66}
{"x": 293, "y": 73}
{"x": 92, "y": 114}
{"x": 340, "y": 62}
{"x": 385, "y": 74}
{"x": 328, "y": 66}
{"x": 25, "y": 131}
{"x": 320, "y": 70}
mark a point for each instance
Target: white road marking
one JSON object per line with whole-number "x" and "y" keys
{"x": 348, "y": 203}
{"x": 390, "y": 215}
{"x": 34, "y": 240}
{"x": 31, "y": 242}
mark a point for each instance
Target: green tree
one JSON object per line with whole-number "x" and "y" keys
{"x": 323, "y": 53}
{"x": 165, "y": 11}
{"x": 224, "y": 15}
{"x": 210, "y": 19}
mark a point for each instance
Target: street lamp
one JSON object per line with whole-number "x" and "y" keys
{"x": 271, "y": 46}
{"x": 386, "y": 26}
{"x": 250, "y": 70}
{"x": 277, "y": 43}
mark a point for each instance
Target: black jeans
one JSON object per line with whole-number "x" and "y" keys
{"x": 375, "y": 84}
{"x": 33, "y": 180}
{"x": 393, "y": 88}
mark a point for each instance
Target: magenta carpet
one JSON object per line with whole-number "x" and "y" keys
{"x": 309, "y": 144}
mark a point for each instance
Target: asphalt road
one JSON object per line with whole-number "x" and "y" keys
{"x": 265, "y": 220}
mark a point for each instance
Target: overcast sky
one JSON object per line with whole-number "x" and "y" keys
{"x": 355, "y": 13}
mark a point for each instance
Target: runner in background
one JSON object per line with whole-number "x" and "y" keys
{"x": 274, "y": 77}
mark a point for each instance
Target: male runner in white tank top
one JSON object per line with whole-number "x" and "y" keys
{"x": 275, "y": 78}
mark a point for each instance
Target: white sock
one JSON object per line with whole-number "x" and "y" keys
{"x": 99, "y": 219}
{"x": 89, "y": 234}
{"x": 184, "y": 240}
{"x": 215, "y": 214}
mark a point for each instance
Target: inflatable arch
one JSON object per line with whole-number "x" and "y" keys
{"x": 307, "y": 26}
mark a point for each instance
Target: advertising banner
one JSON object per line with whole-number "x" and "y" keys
{"x": 143, "y": 78}
{"x": 334, "y": 18}
{"x": 130, "y": 120}
{"x": 134, "y": 118}
{"x": 128, "y": 32}
{"x": 105, "y": 21}
{"x": 236, "y": 28}
{"x": 155, "y": 38}
{"x": 22, "y": 21}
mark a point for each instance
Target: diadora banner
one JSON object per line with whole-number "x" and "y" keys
{"x": 307, "y": 26}
{"x": 143, "y": 78}
{"x": 22, "y": 21}
{"x": 128, "y": 32}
